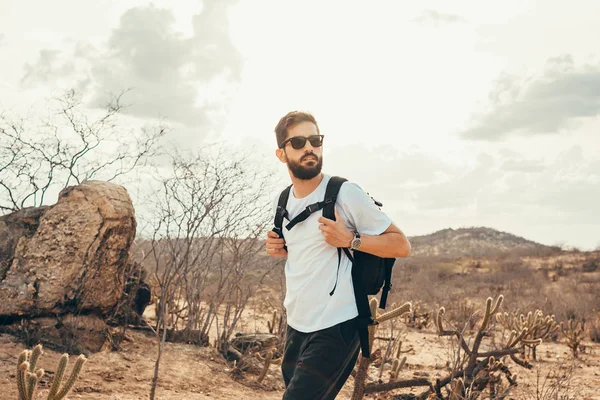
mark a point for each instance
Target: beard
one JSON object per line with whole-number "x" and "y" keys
{"x": 306, "y": 172}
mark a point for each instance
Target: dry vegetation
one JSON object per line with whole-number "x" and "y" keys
{"x": 446, "y": 345}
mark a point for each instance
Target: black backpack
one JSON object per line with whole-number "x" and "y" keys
{"x": 370, "y": 273}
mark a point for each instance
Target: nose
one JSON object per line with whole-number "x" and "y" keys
{"x": 308, "y": 147}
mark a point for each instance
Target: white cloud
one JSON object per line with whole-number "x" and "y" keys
{"x": 438, "y": 18}
{"x": 543, "y": 105}
{"x": 183, "y": 79}
{"x": 47, "y": 67}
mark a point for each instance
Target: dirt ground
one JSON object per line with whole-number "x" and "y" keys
{"x": 190, "y": 372}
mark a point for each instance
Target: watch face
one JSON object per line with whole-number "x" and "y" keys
{"x": 355, "y": 243}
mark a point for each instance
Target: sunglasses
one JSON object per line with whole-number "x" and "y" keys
{"x": 298, "y": 142}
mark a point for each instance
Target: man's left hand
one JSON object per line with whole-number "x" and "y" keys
{"x": 335, "y": 232}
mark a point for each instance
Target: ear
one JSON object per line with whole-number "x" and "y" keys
{"x": 280, "y": 153}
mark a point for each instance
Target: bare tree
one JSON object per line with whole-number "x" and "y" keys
{"x": 67, "y": 147}
{"x": 208, "y": 218}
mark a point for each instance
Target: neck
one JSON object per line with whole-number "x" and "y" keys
{"x": 303, "y": 188}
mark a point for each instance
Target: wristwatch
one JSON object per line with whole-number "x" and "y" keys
{"x": 356, "y": 242}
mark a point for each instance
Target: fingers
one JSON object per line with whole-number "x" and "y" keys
{"x": 338, "y": 218}
{"x": 277, "y": 252}
{"x": 326, "y": 221}
{"x": 324, "y": 228}
{"x": 275, "y": 245}
{"x": 273, "y": 238}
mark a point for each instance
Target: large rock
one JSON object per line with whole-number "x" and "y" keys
{"x": 69, "y": 257}
{"x": 22, "y": 223}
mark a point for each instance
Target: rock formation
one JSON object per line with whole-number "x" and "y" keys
{"x": 69, "y": 258}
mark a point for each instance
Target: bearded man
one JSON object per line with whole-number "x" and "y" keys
{"x": 322, "y": 343}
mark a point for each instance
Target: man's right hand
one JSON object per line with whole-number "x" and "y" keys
{"x": 275, "y": 245}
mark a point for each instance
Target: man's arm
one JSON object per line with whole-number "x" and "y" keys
{"x": 390, "y": 244}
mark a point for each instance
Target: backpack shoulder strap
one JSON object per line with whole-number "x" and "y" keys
{"x": 364, "y": 318}
{"x": 281, "y": 211}
{"x": 387, "y": 283}
{"x": 331, "y": 194}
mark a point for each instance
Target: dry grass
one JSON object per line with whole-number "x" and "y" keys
{"x": 555, "y": 284}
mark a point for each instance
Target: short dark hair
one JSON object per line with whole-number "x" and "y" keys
{"x": 290, "y": 120}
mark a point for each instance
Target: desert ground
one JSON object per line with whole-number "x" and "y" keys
{"x": 191, "y": 372}
{"x": 563, "y": 285}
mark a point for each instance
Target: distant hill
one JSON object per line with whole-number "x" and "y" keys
{"x": 449, "y": 244}
{"x": 475, "y": 242}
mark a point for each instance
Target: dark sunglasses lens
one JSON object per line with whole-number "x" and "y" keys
{"x": 315, "y": 141}
{"x": 298, "y": 142}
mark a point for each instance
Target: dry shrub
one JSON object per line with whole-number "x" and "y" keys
{"x": 527, "y": 282}
{"x": 572, "y": 299}
{"x": 558, "y": 384}
{"x": 462, "y": 313}
{"x": 594, "y": 329}
{"x": 591, "y": 265}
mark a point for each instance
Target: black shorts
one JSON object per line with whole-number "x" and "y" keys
{"x": 316, "y": 365}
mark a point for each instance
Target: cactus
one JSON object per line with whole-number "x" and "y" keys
{"x": 417, "y": 318}
{"x": 396, "y": 368}
{"x": 363, "y": 365}
{"x": 27, "y": 379}
{"x": 35, "y": 356}
{"x": 538, "y": 327}
{"x": 482, "y": 368}
{"x": 477, "y": 370}
{"x": 573, "y": 332}
{"x": 22, "y": 366}
{"x": 265, "y": 369}
{"x": 267, "y": 360}
{"x": 66, "y": 387}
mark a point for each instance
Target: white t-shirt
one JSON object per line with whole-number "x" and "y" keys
{"x": 312, "y": 264}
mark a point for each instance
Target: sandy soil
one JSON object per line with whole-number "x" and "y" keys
{"x": 190, "y": 372}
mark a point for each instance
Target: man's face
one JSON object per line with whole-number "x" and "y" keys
{"x": 304, "y": 163}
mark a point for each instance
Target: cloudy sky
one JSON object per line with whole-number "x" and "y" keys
{"x": 453, "y": 114}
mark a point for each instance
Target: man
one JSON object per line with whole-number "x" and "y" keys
{"x": 322, "y": 343}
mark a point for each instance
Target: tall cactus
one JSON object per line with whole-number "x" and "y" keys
{"x": 360, "y": 388}
{"x": 267, "y": 360}
{"x": 265, "y": 369}
{"x": 538, "y": 327}
{"x": 27, "y": 379}
{"x": 573, "y": 331}
{"x": 66, "y": 387}
{"x": 478, "y": 369}
{"x": 396, "y": 368}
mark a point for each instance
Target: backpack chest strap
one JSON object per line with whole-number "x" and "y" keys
{"x": 303, "y": 216}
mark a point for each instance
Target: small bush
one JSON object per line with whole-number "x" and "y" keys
{"x": 591, "y": 265}
{"x": 594, "y": 329}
